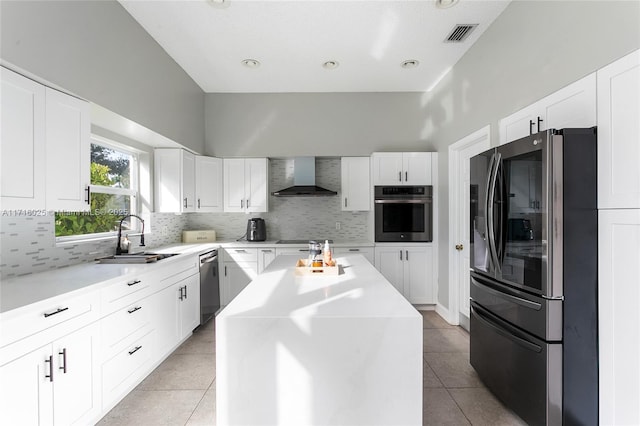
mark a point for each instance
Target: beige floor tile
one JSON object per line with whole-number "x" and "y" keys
{"x": 483, "y": 409}
{"x": 173, "y": 407}
{"x": 439, "y": 409}
{"x": 445, "y": 340}
{"x": 205, "y": 413}
{"x": 182, "y": 371}
{"x": 453, "y": 369}
{"x": 429, "y": 378}
{"x": 430, "y": 319}
{"x": 203, "y": 341}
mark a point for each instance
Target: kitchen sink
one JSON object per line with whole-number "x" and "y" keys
{"x": 141, "y": 257}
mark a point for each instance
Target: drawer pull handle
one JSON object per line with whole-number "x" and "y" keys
{"x": 50, "y": 361}
{"x": 137, "y": 308}
{"x": 354, "y": 249}
{"x": 267, "y": 251}
{"x": 241, "y": 251}
{"x": 136, "y": 349}
{"x": 64, "y": 360}
{"x": 57, "y": 311}
{"x": 134, "y": 282}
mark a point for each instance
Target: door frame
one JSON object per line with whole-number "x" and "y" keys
{"x": 482, "y": 140}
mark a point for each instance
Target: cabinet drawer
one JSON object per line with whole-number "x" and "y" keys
{"x": 124, "y": 293}
{"x": 123, "y": 323}
{"x": 127, "y": 367}
{"x": 241, "y": 254}
{"x": 56, "y": 317}
{"x": 365, "y": 251}
{"x": 177, "y": 271}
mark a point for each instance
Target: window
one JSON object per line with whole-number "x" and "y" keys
{"x": 114, "y": 191}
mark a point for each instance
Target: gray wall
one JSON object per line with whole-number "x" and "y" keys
{"x": 97, "y": 51}
{"x": 321, "y": 124}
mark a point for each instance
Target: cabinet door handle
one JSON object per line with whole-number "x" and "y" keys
{"x": 406, "y": 257}
{"x": 198, "y": 202}
{"x": 400, "y": 254}
{"x": 137, "y": 308}
{"x": 185, "y": 203}
{"x": 242, "y": 204}
{"x": 345, "y": 201}
{"x": 134, "y": 282}
{"x": 399, "y": 176}
{"x": 531, "y": 123}
{"x": 57, "y": 311}
{"x": 185, "y": 292}
{"x": 64, "y": 361}
{"x": 225, "y": 270}
{"x": 247, "y": 203}
{"x": 406, "y": 176}
{"x": 88, "y": 199}
{"x": 540, "y": 120}
{"x": 50, "y": 361}
{"x": 136, "y": 349}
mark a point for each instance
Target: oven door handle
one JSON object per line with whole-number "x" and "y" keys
{"x": 517, "y": 300}
{"x": 424, "y": 201}
{"x": 475, "y": 309}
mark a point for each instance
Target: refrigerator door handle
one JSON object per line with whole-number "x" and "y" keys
{"x": 515, "y": 299}
{"x": 475, "y": 309}
{"x": 491, "y": 192}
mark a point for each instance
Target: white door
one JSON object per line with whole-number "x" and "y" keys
{"x": 459, "y": 225}
{"x": 68, "y": 152}
{"x": 390, "y": 262}
{"x": 233, "y": 184}
{"x": 22, "y": 161}
{"x": 26, "y": 394}
{"x": 256, "y": 184}
{"x": 208, "y": 184}
{"x": 75, "y": 393}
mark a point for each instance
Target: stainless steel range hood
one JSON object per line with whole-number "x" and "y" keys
{"x": 304, "y": 181}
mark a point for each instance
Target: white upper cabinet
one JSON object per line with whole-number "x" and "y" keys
{"x": 68, "y": 131}
{"x": 401, "y": 168}
{"x": 208, "y": 184}
{"x": 23, "y": 142}
{"x": 571, "y": 106}
{"x": 619, "y": 133}
{"x": 246, "y": 184}
{"x": 356, "y": 187}
{"x": 175, "y": 190}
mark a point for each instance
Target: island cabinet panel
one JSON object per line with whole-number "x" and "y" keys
{"x": 56, "y": 384}
{"x": 332, "y": 350}
{"x": 411, "y": 269}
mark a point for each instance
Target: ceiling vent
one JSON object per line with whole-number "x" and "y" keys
{"x": 460, "y": 33}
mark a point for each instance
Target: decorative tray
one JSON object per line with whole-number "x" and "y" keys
{"x": 303, "y": 269}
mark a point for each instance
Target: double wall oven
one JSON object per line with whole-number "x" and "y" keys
{"x": 534, "y": 275}
{"x": 403, "y": 213}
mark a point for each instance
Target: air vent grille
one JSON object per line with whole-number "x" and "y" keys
{"x": 460, "y": 33}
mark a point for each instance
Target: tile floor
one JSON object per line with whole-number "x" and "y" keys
{"x": 181, "y": 391}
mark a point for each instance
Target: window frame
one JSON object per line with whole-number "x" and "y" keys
{"x": 133, "y": 192}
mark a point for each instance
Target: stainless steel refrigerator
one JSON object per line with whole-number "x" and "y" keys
{"x": 534, "y": 247}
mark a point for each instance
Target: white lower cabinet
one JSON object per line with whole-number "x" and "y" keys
{"x": 265, "y": 257}
{"x": 410, "y": 269}
{"x": 618, "y": 317}
{"x": 56, "y": 384}
{"x": 238, "y": 268}
{"x": 365, "y": 251}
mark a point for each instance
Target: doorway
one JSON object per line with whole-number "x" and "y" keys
{"x": 459, "y": 223}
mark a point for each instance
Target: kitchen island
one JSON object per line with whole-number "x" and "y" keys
{"x": 329, "y": 350}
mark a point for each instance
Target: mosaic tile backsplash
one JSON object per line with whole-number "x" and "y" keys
{"x": 27, "y": 243}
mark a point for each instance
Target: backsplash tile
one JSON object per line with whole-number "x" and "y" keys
{"x": 27, "y": 244}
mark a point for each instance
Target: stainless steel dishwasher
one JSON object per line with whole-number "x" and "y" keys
{"x": 209, "y": 285}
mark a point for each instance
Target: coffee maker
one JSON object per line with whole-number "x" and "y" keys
{"x": 256, "y": 229}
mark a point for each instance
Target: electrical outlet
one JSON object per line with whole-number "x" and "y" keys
{"x": 338, "y": 225}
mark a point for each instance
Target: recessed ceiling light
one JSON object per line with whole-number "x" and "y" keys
{"x": 411, "y": 63}
{"x": 251, "y": 63}
{"x": 445, "y": 4}
{"x": 330, "y": 65}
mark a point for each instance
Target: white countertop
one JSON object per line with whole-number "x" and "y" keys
{"x": 28, "y": 289}
{"x": 279, "y": 292}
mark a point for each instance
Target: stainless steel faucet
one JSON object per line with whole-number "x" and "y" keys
{"x": 118, "y": 246}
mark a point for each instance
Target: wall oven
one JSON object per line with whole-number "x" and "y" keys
{"x": 403, "y": 213}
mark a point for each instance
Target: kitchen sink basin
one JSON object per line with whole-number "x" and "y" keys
{"x": 142, "y": 257}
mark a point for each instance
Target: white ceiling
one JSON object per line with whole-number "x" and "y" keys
{"x": 292, "y": 39}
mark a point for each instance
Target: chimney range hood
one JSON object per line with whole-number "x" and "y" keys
{"x": 304, "y": 181}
